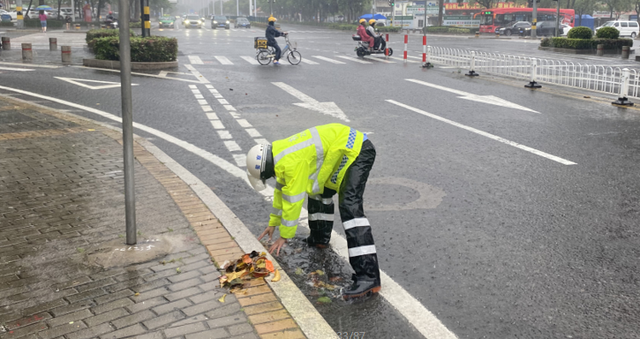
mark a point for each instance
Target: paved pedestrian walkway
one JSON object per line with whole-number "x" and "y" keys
{"x": 65, "y": 271}
{"x": 40, "y": 47}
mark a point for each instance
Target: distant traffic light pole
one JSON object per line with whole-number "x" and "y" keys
{"x": 534, "y": 20}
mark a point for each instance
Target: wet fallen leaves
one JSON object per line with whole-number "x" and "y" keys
{"x": 250, "y": 266}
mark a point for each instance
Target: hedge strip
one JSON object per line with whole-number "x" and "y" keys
{"x": 585, "y": 43}
{"x": 143, "y": 49}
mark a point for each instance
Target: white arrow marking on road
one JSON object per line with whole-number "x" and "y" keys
{"x": 328, "y": 108}
{"x": 15, "y": 69}
{"x": 79, "y": 82}
{"x": 487, "y": 99}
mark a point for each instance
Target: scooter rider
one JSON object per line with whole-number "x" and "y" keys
{"x": 362, "y": 32}
{"x": 271, "y": 34}
{"x": 110, "y": 18}
{"x": 379, "y": 42}
{"x": 319, "y": 162}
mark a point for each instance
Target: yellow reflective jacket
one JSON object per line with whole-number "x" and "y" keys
{"x": 306, "y": 163}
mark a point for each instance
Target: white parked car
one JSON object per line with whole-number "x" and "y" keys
{"x": 13, "y": 14}
{"x": 626, "y": 28}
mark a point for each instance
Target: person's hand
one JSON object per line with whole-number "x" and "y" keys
{"x": 278, "y": 245}
{"x": 269, "y": 230}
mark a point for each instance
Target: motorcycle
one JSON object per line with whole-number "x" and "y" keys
{"x": 363, "y": 47}
{"x": 112, "y": 24}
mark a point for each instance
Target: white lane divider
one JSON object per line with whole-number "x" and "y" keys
{"x": 16, "y": 69}
{"x": 250, "y": 60}
{"x": 197, "y": 74}
{"x": 223, "y": 60}
{"x": 485, "y": 134}
{"x": 410, "y": 61}
{"x": 195, "y": 60}
{"x": 309, "y": 62}
{"x": 354, "y": 59}
{"x": 380, "y": 60}
{"x": 329, "y": 60}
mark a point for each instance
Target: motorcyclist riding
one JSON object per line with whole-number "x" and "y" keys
{"x": 271, "y": 34}
{"x": 362, "y": 32}
{"x": 110, "y": 19}
{"x": 379, "y": 42}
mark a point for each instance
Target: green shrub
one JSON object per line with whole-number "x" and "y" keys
{"x": 6, "y": 24}
{"x": 609, "y": 44}
{"x": 608, "y": 33}
{"x": 135, "y": 24}
{"x": 580, "y": 32}
{"x": 143, "y": 49}
{"x": 258, "y": 24}
{"x": 388, "y": 29}
{"x": 102, "y": 33}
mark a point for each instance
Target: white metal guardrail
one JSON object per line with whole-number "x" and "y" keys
{"x": 606, "y": 79}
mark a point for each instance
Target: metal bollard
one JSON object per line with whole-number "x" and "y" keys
{"x": 53, "y": 44}
{"x": 624, "y": 89}
{"x": 406, "y": 41}
{"x": 534, "y": 69}
{"x": 6, "y": 43}
{"x": 386, "y": 49}
{"x": 76, "y": 26}
{"x": 625, "y": 52}
{"x": 472, "y": 65}
{"x": 600, "y": 50}
{"x": 27, "y": 53}
{"x": 477, "y": 34}
{"x": 66, "y": 54}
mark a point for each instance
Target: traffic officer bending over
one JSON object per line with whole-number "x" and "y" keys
{"x": 319, "y": 162}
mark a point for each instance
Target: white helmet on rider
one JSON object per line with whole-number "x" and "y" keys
{"x": 259, "y": 166}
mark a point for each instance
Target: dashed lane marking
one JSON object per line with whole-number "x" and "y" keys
{"x": 223, "y": 60}
{"x": 195, "y": 60}
{"x": 250, "y": 60}
{"x": 354, "y": 59}
{"x": 329, "y": 60}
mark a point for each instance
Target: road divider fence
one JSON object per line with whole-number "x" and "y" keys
{"x": 598, "y": 78}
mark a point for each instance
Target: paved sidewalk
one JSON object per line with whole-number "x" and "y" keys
{"x": 65, "y": 271}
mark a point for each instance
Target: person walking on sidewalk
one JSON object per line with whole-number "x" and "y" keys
{"x": 319, "y": 162}
{"x": 43, "y": 21}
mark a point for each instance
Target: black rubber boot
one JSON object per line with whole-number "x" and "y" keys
{"x": 361, "y": 287}
{"x": 310, "y": 241}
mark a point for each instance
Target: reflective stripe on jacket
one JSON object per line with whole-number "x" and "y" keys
{"x": 306, "y": 163}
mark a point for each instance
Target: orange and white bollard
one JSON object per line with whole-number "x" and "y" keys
{"x": 424, "y": 48}
{"x": 386, "y": 49}
{"x": 406, "y": 41}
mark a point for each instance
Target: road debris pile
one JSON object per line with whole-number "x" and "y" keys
{"x": 250, "y": 266}
{"x": 322, "y": 285}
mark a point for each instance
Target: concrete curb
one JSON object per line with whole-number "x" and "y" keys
{"x": 135, "y": 66}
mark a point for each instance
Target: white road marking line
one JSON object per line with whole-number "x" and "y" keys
{"x": 212, "y": 116}
{"x": 195, "y": 60}
{"x": 206, "y": 108}
{"x": 241, "y": 159}
{"x": 209, "y": 86}
{"x": 250, "y": 60}
{"x": 485, "y": 134}
{"x": 198, "y": 96}
{"x": 199, "y": 81}
{"x": 229, "y": 108}
{"x": 223, "y": 101}
{"x": 261, "y": 141}
{"x": 309, "y": 62}
{"x": 354, "y": 59}
{"x": 243, "y": 123}
{"x": 193, "y": 86}
{"x": 203, "y": 102}
{"x": 253, "y": 132}
{"x": 223, "y": 60}
{"x": 233, "y": 146}
{"x": 379, "y": 60}
{"x": 401, "y": 59}
{"x": 29, "y": 65}
{"x": 329, "y": 60}
{"x": 225, "y": 135}
{"x": 195, "y": 91}
{"x": 79, "y": 82}
{"x": 16, "y": 69}
{"x": 197, "y": 74}
{"x": 234, "y": 114}
{"x": 217, "y": 124}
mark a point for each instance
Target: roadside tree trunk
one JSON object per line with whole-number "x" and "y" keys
{"x": 440, "y": 10}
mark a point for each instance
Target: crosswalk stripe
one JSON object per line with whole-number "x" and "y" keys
{"x": 380, "y": 60}
{"x": 309, "y": 62}
{"x": 411, "y": 61}
{"x": 224, "y": 60}
{"x": 195, "y": 60}
{"x": 353, "y": 59}
{"x": 250, "y": 60}
{"x": 329, "y": 60}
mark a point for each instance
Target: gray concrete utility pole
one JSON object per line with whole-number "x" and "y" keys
{"x": 534, "y": 20}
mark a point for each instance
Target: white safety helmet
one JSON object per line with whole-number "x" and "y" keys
{"x": 256, "y": 165}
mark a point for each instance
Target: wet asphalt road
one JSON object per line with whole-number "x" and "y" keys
{"x": 503, "y": 243}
